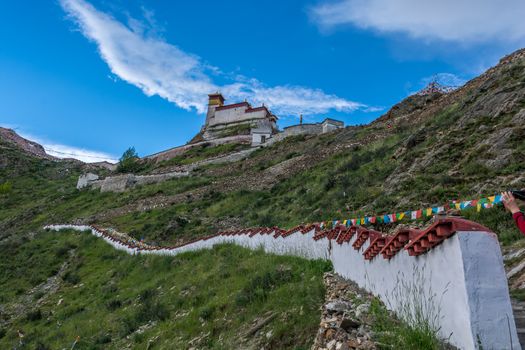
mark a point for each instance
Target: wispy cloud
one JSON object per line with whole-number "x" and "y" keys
{"x": 85, "y": 155}
{"x": 465, "y": 21}
{"x": 290, "y": 99}
{"x": 143, "y": 58}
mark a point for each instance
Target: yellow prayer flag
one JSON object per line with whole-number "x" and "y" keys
{"x": 492, "y": 198}
{"x": 478, "y": 207}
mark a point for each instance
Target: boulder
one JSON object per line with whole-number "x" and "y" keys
{"x": 338, "y": 306}
{"x": 85, "y": 180}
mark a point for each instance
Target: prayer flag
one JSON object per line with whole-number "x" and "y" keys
{"x": 465, "y": 204}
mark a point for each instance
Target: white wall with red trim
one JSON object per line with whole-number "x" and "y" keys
{"x": 457, "y": 280}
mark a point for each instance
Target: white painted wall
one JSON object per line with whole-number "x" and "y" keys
{"x": 461, "y": 283}
{"x": 237, "y": 114}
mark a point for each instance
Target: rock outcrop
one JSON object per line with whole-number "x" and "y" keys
{"x": 345, "y": 318}
{"x": 23, "y": 144}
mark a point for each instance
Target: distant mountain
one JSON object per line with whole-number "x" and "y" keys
{"x": 33, "y": 148}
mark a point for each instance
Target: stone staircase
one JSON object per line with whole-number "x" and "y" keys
{"x": 518, "y": 308}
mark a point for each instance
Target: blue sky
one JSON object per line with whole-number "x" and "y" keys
{"x": 91, "y": 78}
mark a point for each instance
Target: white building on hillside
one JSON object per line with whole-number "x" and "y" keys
{"x": 238, "y": 119}
{"x": 240, "y": 122}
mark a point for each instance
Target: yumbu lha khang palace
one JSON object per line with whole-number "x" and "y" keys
{"x": 241, "y": 122}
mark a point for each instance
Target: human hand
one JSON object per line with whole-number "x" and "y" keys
{"x": 510, "y": 202}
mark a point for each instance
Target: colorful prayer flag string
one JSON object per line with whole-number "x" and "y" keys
{"x": 478, "y": 204}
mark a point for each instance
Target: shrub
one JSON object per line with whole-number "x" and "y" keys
{"x": 400, "y": 335}
{"x": 38, "y": 295}
{"x": 149, "y": 309}
{"x": 41, "y": 346}
{"x": 5, "y": 188}
{"x": 152, "y": 311}
{"x": 260, "y": 286}
{"x": 34, "y": 315}
{"x": 113, "y": 304}
{"x": 103, "y": 338}
{"x": 207, "y": 312}
{"x": 60, "y": 252}
{"x": 71, "y": 278}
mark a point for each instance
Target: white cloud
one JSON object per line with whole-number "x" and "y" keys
{"x": 466, "y": 21}
{"x": 87, "y": 156}
{"x": 137, "y": 55}
{"x": 290, "y": 99}
{"x": 64, "y": 151}
{"x": 147, "y": 62}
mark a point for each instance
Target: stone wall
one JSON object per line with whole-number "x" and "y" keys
{"x": 303, "y": 129}
{"x": 452, "y": 272}
{"x": 173, "y": 152}
{"x": 121, "y": 183}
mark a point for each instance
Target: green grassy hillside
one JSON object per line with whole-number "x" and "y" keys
{"x": 425, "y": 151}
{"x": 58, "y": 286}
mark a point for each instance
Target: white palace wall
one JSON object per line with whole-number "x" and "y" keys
{"x": 460, "y": 283}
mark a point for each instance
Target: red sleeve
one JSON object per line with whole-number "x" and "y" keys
{"x": 520, "y": 221}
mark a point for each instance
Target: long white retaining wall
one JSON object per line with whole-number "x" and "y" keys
{"x": 459, "y": 284}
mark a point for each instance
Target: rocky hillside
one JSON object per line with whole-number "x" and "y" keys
{"x": 426, "y": 150}
{"x": 24, "y": 145}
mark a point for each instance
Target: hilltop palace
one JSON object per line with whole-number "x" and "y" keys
{"x": 257, "y": 125}
{"x": 234, "y": 123}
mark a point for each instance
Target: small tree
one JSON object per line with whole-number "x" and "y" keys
{"x": 129, "y": 162}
